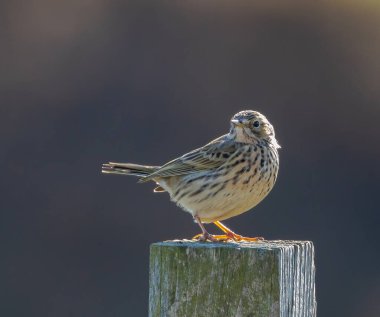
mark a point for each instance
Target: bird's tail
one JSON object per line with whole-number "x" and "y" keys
{"x": 128, "y": 169}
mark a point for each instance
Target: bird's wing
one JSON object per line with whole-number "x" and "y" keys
{"x": 210, "y": 156}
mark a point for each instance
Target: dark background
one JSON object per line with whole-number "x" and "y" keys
{"x": 87, "y": 81}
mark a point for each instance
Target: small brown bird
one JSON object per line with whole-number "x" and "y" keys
{"x": 220, "y": 180}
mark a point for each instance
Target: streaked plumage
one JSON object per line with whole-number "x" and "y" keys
{"x": 222, "y": 179}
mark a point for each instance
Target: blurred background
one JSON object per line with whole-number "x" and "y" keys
{"x": 88, "y": 81}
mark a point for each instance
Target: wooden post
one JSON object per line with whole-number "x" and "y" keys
{"x": 262, "y": 279}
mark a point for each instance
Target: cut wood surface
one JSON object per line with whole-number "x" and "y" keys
{"x": 196, "y": 279}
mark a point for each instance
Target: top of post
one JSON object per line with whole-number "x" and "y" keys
{"x": 265, "y": 244}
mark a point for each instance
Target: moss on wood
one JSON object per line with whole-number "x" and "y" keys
{"x": 231, "y": 279}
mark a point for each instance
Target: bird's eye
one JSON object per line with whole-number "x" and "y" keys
{"x": 256, "y": 124}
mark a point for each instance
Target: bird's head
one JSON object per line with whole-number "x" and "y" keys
{"x": 250, "y": 126}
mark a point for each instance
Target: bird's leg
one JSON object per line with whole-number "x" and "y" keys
{"x": 204, "y": 236}
{"x": 234, "y": 236}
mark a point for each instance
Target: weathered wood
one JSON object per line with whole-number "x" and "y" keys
{"x": 193, "y": 279}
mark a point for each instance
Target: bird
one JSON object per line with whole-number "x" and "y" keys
{"x": 222, "y": 179}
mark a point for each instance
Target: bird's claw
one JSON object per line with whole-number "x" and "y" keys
{"x": 237, "y": 237}
{"x": 210, "y": 237}
{"x": 225, "y": 238}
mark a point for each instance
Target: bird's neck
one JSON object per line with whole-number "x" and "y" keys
{"x": 240, "y": 135}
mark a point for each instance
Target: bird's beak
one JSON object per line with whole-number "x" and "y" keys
{"x": 238, "y": 123}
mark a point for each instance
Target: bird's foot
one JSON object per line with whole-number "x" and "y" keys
{"x": 229, "y": 236}
{"x": 237, "y": 237}
{"x": 211, "y": 237}
{"x": 234, "y": 236}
